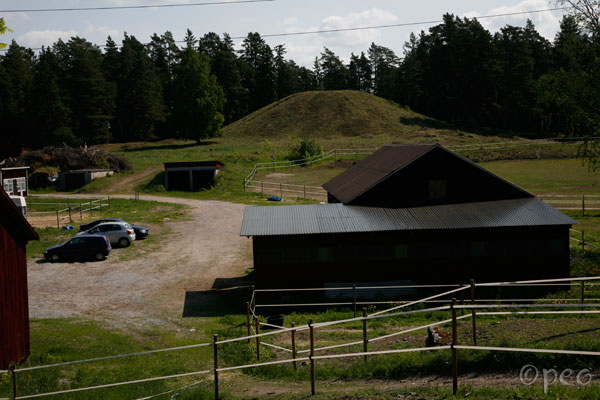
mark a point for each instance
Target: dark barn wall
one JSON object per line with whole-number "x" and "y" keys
{"x": 428, "y": 257}
{"x": 14, "y": 308}
{"x": 437, "y": 178}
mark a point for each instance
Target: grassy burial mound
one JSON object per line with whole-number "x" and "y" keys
{"x": 327, "y": 114}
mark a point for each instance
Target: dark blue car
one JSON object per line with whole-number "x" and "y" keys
{"x": 95, "y": 247}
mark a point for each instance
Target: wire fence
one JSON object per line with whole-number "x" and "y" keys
{"x": 293, "y": 352}
{"x": 72, "y": 210}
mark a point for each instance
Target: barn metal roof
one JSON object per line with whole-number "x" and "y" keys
{"x": 340, "y": 218}
{"x": 383, "y": 163}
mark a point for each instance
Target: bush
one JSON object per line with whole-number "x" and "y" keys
{"x": 305, "y": 148}
{"x": 68, "y": 158}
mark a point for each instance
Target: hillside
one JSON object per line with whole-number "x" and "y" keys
{"x": 327, "y": 114}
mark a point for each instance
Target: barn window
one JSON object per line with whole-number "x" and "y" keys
{"x": 20, "y": 185}
{"x": 401, "y": 251}
{"x": 437, "y": 189}
{"x": 8, "y": 186}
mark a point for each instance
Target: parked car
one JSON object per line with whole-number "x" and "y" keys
{"x": 120, "y": 233}
{"x": 90, "y": 225}
{"x": 141, "y": 232}
{"x": 81, "y": 246}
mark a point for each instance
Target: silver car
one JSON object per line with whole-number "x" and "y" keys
{"x": 119, "y": 233}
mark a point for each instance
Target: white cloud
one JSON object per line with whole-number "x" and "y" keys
{"x": 16, "y": 17}
{"x": 105, "y": 30}
{"x": 290, "y": 21}
{"x": 547, "y": 23}
{"x": 35, "y": 39}
{"x": 303, "y": 49}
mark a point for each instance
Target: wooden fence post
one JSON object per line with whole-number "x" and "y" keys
{"x": 108, "y": 200}
{"x": 582, "y": 294}
{"x": 305, "y": 191}
{"x": 281, "y": 189}
{"x": 80, "y": 212}
{"x": 248, "y": 318}
{"x": 257, "y": 328}
{"x": 473, "y": 313}
{"x": 262, "y": 187}
{"x": 100, "y": 204}
{"x": 294, "y": 345}
{"x": 216, "y": 359}
{"x": 354, "y": 301}
{"x": 57, "y": 220}
{"x": 70, "y": 219}
{"x": 454, "y": 355}
{"x": 582, "y": 240}
{"x": 91, "y": 210}
{"x": 13, "y": 373}
{"x": 583, "y": 205}
{"x": 312, "y": 353}
{"x": 365, "y": 340}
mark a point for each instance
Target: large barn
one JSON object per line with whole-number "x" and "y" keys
{"x": 15, "y": 232}
{"x": 416, "y": 213}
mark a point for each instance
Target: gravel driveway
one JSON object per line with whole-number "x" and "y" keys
{"x": 204, "y": 247}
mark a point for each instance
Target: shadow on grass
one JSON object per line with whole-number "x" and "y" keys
{"x": 227, "y": 296}
{"x": 169, "y": 146}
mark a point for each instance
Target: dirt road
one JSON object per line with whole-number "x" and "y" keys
{"x": 204, "y": 247}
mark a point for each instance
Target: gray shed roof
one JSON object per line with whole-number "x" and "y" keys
{"x": 339, "y": 218}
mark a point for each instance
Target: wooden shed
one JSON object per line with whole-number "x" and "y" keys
{"x": 15, "y": 232}
{"x": 15, "y": 181}
{"x": 74, "y": 179}
{"x": 416, "y": 213}
{"x": 191, "y": 176}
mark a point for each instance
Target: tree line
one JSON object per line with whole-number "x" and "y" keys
{"x": 514, "y": 80}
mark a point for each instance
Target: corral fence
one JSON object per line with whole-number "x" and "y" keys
{"x": 311, "y": 355}
{"x": 73, "y": 208}
{"x": 305, "y": 191}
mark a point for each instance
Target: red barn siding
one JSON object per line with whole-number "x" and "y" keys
{"x": 14, "y": 307}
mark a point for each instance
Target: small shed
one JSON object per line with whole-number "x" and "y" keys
{"x": 15, "y": 232}
{"x": 71, "y": 180}
{"x": 191, "y": 176}
{"x": 15, "y": 181}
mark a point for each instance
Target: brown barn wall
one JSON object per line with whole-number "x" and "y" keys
{"x": 428, "y": 257}
{"x": 14, "y": 308}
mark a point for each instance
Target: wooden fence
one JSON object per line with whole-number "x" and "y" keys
{"x": 294, "y": 356}
{"x": 72, "y": 210}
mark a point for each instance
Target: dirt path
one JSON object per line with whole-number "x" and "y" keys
{"x": 199, "y": 250}
{"x": 129, "y": 183}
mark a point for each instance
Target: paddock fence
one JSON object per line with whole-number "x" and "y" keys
{"x": 42, "y": 209}
{"x": 294, "y": 355}
{"x": 316, "y": 192}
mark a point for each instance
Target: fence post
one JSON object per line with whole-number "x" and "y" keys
{"x": 365, "y": 340}
{"x": 57, "y": 220}
{"x": 70, "y": 219}
{"x": 294, "y": 345}
{"x": 108, "y": 201}
{"x": 454, "y": 355}
{"x": 216, "y": 359}
{"x": 305, "y": 191}
{"x": 91, "y": 210}
{"x": 80, "y": 212}
{"x": 312, "y": 353}
{"x": 462, "y": 299}
{"x": 248, "y": 318}
{"x": 473, "y": 314}
{"x": 582, "y": 294}
{"x": 583, "y": 205}
{"x": 100, "y": 204}
{"x": 262, "y": 187}
{"x": 582, "y": 240}
{"x": 14, "y": 380}
{"x": 281, "y": 189}
{"x": 257, "y": 328}
{"x": 354, "y": 301}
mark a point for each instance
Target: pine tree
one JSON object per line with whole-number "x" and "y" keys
{"x": 199, "y": 102}
{"x": 258, "y": 72}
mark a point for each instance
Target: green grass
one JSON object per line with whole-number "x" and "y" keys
{"x": 150, "y": 213}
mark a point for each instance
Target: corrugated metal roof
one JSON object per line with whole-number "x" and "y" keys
{"x": 340, "y": 218}
{"x": 373, "y": 169}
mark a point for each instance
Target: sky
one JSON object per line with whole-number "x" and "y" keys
{"x": 36, "y": 29}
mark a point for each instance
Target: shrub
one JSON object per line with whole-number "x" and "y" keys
{"x": 304, "y": 148}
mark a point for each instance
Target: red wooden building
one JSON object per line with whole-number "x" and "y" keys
{"x": 15, "y": 232}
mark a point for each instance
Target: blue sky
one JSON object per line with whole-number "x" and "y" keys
{"x": 37, "y": 29}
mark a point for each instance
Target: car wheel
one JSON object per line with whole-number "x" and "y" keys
{"x": 123, "y": 242}
{"x": 54, "y": 257}
{"x": 99, "y": 256}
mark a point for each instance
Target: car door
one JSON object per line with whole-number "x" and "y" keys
{"x": 72, "y": 249}
{"x": 112, "y": 232}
